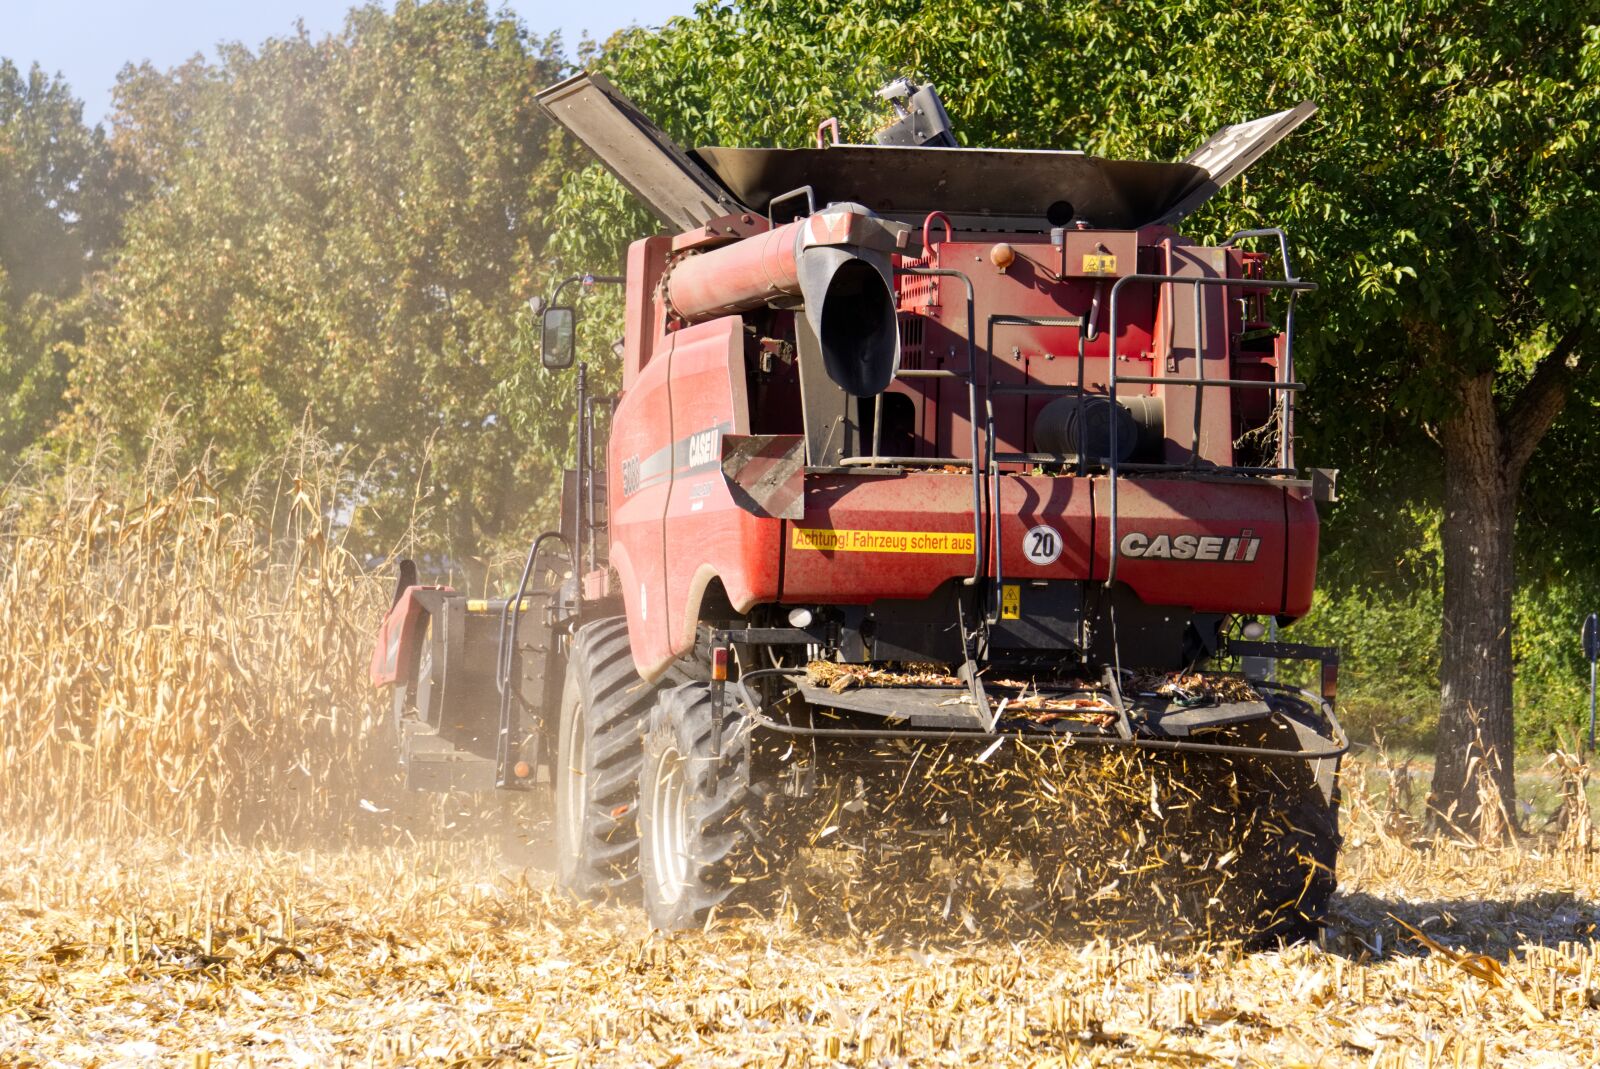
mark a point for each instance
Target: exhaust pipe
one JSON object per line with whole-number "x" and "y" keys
{"x": 835, "y": 262}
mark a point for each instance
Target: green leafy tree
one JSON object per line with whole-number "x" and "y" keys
{"x": 344, "y": 230}
{"x": 59, "y": 206}
{"x": 1444, "y": 197}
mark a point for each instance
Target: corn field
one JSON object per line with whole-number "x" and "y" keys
{"x": 179, "y": 660}
{"x": 207, "y": 867}
{"x": 137, "y": 953}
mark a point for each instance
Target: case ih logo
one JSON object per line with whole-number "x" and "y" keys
{"x": 703, "y": 448}
{"x": 1239, "y": 549}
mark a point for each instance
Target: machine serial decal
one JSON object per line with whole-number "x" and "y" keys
{"x": 700, "y": 451}
{"x": 1239, "y": 549}
{"x": 828, "y": 540}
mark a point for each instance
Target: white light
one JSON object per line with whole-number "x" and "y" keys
{"x": 799, "y": 617}
{"x": 1254, "y": 629}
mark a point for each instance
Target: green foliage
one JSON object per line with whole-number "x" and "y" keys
{"x": 1389, "y": 674}
{"x": 344, "y": 231}
{"x": 58, "y": 215}
{"x": 1443, "y": 199}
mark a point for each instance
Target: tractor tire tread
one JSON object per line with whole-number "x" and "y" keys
{"x": 721, "y": 835}
{"x": 616, "y": 703}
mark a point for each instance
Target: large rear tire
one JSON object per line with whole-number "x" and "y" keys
{"x": 1220, "y": 848}
{"x": 1294, "y": 864}
{"x": 604, "y": 710}
{"x": 701, "y": 844}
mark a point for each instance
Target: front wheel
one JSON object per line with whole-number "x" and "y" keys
{"x": 701, "y": 843}
{"x": 603, "y": 713}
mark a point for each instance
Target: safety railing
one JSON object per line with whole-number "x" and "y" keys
{"x": 979, "y": 378}
{"x": 1282, "y": 382}
{"x": 967, "y": 375}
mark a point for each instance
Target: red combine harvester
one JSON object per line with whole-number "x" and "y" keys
{"x": 980, "y": 417}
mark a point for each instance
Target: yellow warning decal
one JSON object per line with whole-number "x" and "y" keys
{"x": 829, "y": 540}
{"x": 1099, "y": 264}
{"x": 1010, "y": 601}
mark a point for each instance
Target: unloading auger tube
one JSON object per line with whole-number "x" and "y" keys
{"x": 835, "y": 261}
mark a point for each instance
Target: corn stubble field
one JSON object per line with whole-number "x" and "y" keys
{"x": 210, "y": 865}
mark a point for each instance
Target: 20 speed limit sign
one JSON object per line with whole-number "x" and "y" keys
{"x": 1041, "y": 545}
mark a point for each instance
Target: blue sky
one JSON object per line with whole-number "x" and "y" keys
{"x": 88, "y": 41}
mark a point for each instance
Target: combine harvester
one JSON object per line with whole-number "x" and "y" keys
{"x": 977, "y": 424}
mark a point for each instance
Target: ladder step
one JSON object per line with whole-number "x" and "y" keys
{"x": 1043, "y": 458}
{"x": 1058, "y": 391}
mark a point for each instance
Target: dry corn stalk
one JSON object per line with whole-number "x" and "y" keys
{"x": 178, "y": 659}
{"x": 1493, "y": 824}
{"x": 1574, "y": 819}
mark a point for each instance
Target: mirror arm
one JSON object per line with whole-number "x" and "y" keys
{"x": 555, "y": 298}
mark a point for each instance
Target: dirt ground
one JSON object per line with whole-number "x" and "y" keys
{"x": 142, "y": 952}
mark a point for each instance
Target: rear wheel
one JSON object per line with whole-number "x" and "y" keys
{"x": 603, "y": 714}
{"x": 1200, "y": 845}
{"x": 701, "y": 840}
{"x": 1291, "y": 875}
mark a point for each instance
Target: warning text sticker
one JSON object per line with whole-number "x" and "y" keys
{"x": 827, "y": 539}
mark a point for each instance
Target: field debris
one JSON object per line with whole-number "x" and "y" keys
{"x": 184, "y": 676}
{"x": 435, "y": 954}
{"x": 1040, "y": 701}
{"x": 1194, "y": 688}
{"x": 839, "y": 678}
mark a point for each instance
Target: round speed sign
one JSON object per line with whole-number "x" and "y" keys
{"x": 1041, "y": 545}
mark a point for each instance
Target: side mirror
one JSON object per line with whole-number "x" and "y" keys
{"x": 558, "y": 337}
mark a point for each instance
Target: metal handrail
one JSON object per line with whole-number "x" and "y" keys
{"x": 506, "y": 651}
{"x": 992, "y": 462}
{"x": 1286, "y": 429}
{"x": 978, "y": 548}
{"x": 1281, "y": 378}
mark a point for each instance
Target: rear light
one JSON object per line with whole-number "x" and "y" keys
{"x": 1330, "y": 681}
{"x": 719, "y": 664}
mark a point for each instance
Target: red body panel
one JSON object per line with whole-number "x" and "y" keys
{"x": 398, "y": 638}
{"x": 1247, "y": 547}
{"x": 1246, "y": 520}
{"x": 708, "y": 536}
{"x": 675, "y": 527}
{"x": 1300, "y": 578}
{"x": 836, "y": 555}
{"x": 639, "y": 483}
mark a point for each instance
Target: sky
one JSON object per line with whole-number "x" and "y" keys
{"x": 88, "y": 41}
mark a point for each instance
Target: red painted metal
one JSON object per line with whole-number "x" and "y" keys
{"x": 398, "y": 637}
{"x": 736, "y": 277}
{"x": 764, "y": 267}
{"x": 695, "y": 372}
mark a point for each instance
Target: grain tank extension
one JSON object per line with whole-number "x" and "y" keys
{"x": 977, "y": 428}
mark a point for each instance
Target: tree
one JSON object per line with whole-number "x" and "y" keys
{"x": 344, "y": 230}
{"x": 1444, "y": 198}
{"x": 58, "y": 217}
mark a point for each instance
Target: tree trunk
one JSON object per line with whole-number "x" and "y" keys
{"x": 1481, "y": 484}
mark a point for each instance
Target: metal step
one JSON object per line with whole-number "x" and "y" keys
{"x": 432, "y": 764}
